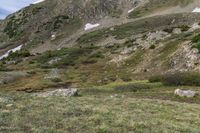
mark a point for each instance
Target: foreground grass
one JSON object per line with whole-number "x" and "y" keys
{"x": 100, "y": 110}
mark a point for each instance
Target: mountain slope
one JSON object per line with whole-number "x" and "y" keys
{"x": 35, "y": 25}
{"x": 133, "y": 47}
{"x": 125, "y": 59}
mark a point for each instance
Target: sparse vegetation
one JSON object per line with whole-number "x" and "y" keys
{"x": 156, "y": 5}
{"x": 132, "y": 87}
{"x": 69, "y": 57}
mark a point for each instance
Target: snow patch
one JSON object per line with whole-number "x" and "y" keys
{"x": 38, "y": 1}
{"x": 131, "y": 10}
{"x": 11, "y": 50}
{"x": 90, "y": 26}
{"x": 197, "y": 9}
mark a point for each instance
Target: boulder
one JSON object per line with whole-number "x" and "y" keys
{"x": 59, "y": 92}
{"x": 185, "y": 93}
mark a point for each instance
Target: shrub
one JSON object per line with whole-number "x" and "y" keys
{"x": 186, "y": 78}
{"x": 56, "y": 80}
{"x": 18, "y": 54}
{"x": 2, "y": 67}
{"x": 178, "y": 79}
{"x": 196, "y": 39}
{"x": 125, "y": 78}
{"x": 184, "y": 28}
{"x": 132, "y": 87}
{"x": 168, "y": 30}
{"x": 155, "y": 78}
{"x": 152, "y": 47}
{"x": 90, "y": 61}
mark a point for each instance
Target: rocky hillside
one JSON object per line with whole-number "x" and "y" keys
{"x": 81, "y": 37}
{"x": 36, "y": 24}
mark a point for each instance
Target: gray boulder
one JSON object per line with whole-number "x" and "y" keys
{"x": 185, "y": 93}
{"x": 59, "y": 92}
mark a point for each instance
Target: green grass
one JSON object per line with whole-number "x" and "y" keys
{"x": 96, "y": 111}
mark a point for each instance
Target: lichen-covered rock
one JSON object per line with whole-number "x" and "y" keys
{"x": 59, "y": 92}
{"x": 185, "y": 93}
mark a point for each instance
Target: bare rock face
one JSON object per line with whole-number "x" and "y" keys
{"x": 185, "y": 59}
{"x": 185, "y": 93}
{"x": 59, "y": 92}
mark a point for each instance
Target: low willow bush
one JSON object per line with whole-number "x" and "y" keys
{"x": 155, "y": 78}
{"x": 178, "y": 79}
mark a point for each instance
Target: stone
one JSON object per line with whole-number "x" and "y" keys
{"x": 54, "y": 73}
{"x": 185, "y": 93}
{"x": 9, "y": 105}
{"x": 59, "y": 92}
{"x": 177, "y": 31}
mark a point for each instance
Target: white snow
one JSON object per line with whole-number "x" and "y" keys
{"x": 129, "y": 11}
{"x": 197, "y": 9}
{"x": 89, "y": 26}
{"x": 38, "y": 1}
{"x": 53, "y": 36}
{"x": 11, "y": 50}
